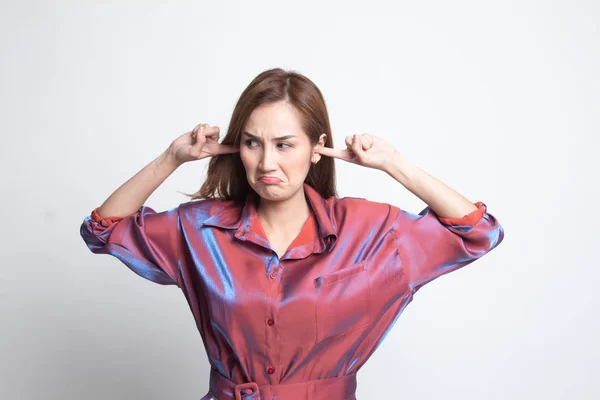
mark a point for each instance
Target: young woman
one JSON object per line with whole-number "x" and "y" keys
{"x": 291, "y": 287}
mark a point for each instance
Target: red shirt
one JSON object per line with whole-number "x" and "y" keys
{"x": 299, "y": 326}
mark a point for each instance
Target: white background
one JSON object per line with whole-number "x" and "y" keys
{"x": 499, "y": 100}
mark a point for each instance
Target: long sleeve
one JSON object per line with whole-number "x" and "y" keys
{"x": 431, "y": 246}
{"x": 147, "y": 242}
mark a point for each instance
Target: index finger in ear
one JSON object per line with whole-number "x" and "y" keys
{"x": 327, "y": 151}
{"x": 335, "y": 153}
{"x": 228, "y": 149}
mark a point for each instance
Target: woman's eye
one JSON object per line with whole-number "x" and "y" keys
{"x": 251, "y": 142}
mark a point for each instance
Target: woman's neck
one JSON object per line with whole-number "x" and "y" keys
{"x": 284, "y": 216}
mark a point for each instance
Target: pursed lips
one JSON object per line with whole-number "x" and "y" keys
{"x": 269, "y": 179}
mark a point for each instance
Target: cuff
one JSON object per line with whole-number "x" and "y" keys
{"x": 470, "y": 219}
{"x": 104, "y": 221}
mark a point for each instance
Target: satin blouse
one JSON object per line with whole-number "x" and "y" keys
{"x": 299, "y": 326}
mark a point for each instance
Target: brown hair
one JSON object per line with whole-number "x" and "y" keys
{"x": 226, "y": 177}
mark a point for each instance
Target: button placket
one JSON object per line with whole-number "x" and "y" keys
{"x": 271, "y": 333}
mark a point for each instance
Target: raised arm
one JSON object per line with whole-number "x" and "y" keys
{"x": 132, "y": 195}
{"x": 199, "y": 143}
{"x": 146, "y": 241}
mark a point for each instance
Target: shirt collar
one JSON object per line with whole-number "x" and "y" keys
{"x": 243, "y": 220}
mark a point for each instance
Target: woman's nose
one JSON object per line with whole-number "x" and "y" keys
{"x": 268, "y": 160}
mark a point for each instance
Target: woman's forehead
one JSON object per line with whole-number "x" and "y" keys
{"x": 271, "y": 121}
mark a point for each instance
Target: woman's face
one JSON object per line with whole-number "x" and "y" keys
{"x": 275, "y": 151}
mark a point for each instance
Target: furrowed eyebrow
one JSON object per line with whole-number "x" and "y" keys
{"x": 277, "y": 138}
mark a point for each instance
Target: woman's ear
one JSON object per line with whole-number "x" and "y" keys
{"x": 323, "y": 139}
{"x": 321, "y": 143}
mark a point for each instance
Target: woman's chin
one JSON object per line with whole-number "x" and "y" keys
{"x": 270, "y": 192}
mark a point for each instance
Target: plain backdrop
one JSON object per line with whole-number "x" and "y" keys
{"x": 498, "y": 99}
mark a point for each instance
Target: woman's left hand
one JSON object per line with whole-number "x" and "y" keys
{"x": 363, "y": 149}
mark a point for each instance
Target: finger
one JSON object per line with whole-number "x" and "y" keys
{"x": 195, "y": 131}
{"x": 200, "y": 141}
{"x": 348, "y": 141}
{"x": 227, "y": 149}
{"x": 327, "y": 151}
{"x": 215, "y": 149}
{"x": 357, "y": 147}
{"x": 365, "y": 141}
{"x": 197, "y": 128}
{"x": 212, "y": 132}
{"x": 335, "y": 153}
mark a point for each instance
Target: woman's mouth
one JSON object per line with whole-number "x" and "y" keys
{"x": 269, "y": 180}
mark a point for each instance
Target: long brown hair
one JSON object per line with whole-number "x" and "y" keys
{"x": 226, "y": 177}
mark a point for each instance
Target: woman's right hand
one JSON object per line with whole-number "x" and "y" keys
{"x": 199, "y": 143}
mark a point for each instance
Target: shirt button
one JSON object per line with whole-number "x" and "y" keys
{"x": 273, "y": 275}
{"x": 270, "y": 322}
{"x": 270, "y": 370}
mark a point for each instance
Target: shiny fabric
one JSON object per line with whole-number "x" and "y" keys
{"x": 316, "y": 313}
{"x": 342, "y": 387}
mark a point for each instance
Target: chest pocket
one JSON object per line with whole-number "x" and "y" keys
{"x": 343, "y": 301}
